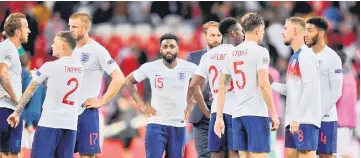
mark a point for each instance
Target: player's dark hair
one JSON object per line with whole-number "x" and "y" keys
{"x": 226, "y": 24}
{"x": 168, "y": 36}
{"x": 342, "y": 56}
{"x": 251, "y": 21}
{"x": 319, "y": 22}
{"x": 68, "y": 37}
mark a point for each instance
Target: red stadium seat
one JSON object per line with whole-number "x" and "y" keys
{"x": 26, "y": 153}
{"x": 113, "y": 46}
{"x": 112, "y": 149}
{"x": 190, "y": 151}
{"x": 137, "y": 147}
{"x": 152, "y": 48}
{"x": 40, "y": 43}
{"x": 99, "y": 39}
{"x": 76, "y": 155}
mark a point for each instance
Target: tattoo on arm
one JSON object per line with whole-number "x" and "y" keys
{"x": 26, "y": 96}
{"x": 6, "y": 84}
{"x": 226, "y": 80}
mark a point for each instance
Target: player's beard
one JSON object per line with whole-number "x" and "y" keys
{"x": 169, "y": 60}
{"x": 80, "y": 37}
{"x": 314, "y": 41}
{"x": 214, "y": 44}
{"x": 287, "y": 43}
{"x": 24, "y": 39}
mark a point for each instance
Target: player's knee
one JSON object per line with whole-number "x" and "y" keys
{"x": 307, "y": 154}
{"x": 88, "y": 156}
{"x": 97, "y": 155}
{"x": 257, "y": 155}
{"x": 242, "y": 154}
{"x": 324, "y": 155}
{"x": 291, "y": 153}
{"x": 217, "y": 154}
{"x": 232, "y": 154}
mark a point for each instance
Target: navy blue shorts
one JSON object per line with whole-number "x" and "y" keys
{"x": 10, "y": 138}
{"x": 162, "y": 138}
{"x": 252, "y": 134}
{"x": 328, "y": 138}
{"x": 87, "y": 138}
{"x": 53, "y": 142}
{"x": 305, "y": 139}
{"x": 216, "y": 144}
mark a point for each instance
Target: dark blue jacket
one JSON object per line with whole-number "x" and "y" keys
{"x": 197, "y": 114}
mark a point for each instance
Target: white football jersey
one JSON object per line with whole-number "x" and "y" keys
{"x": 9, "y": 55}
{"x": 169, "y": 90}
{"x": 303, "y": 98}
{"x": 242, "y": 65}
{"x": 210, "y": 67}
{"x": 95, "y": 59}
{"x": 64, "y": 80}
{"x": 330, "y": 67}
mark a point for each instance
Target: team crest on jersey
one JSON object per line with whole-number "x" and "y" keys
{"x": 111, "y": 61}
{"x": 338, "y": 71}
{"x": 265, "y": 61}
{"x": 84, "y": 57}
{"x": 8, "y": 57}
{"x": 181, "y": 75}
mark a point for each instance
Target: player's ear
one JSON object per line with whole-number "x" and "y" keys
{"x": 322, "y": 33}
{"x": 17, "y": 32}
{"x": 294, "y": 31}
{"x": 234, "y": 33}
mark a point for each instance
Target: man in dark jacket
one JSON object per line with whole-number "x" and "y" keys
{"x": 201, "y": 122}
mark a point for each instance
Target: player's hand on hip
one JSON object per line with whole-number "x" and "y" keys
{"x": 210, "y": 96}
{"x": 187, "y": 113}
{"x": 275, "y": 123}
{"x": 32, "y": 72}
{"x": 148, "y": 110}
{"x": 13, "y": 120}
{"x": 208, "y": 114}
{"x": 270, "y": 78}
{"x": 92, "y": 103}
{"x": 294, "y": 127}
{"x": 14, "y": 100}
{"x": 219, "y": 127}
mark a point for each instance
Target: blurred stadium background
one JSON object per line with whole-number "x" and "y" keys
{"x": 130, "y": 31}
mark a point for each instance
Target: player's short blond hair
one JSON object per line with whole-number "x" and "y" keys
{"x": 84, "y": 18}
{"x": 209, "y": 24}
{"x": 68, "y": 37}
{"x": 12, "y": 23}
{"x": 297, "y": 20}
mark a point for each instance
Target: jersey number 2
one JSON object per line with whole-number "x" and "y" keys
{"x": 65, "y": 98}
{"x": 213, "y": 68}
